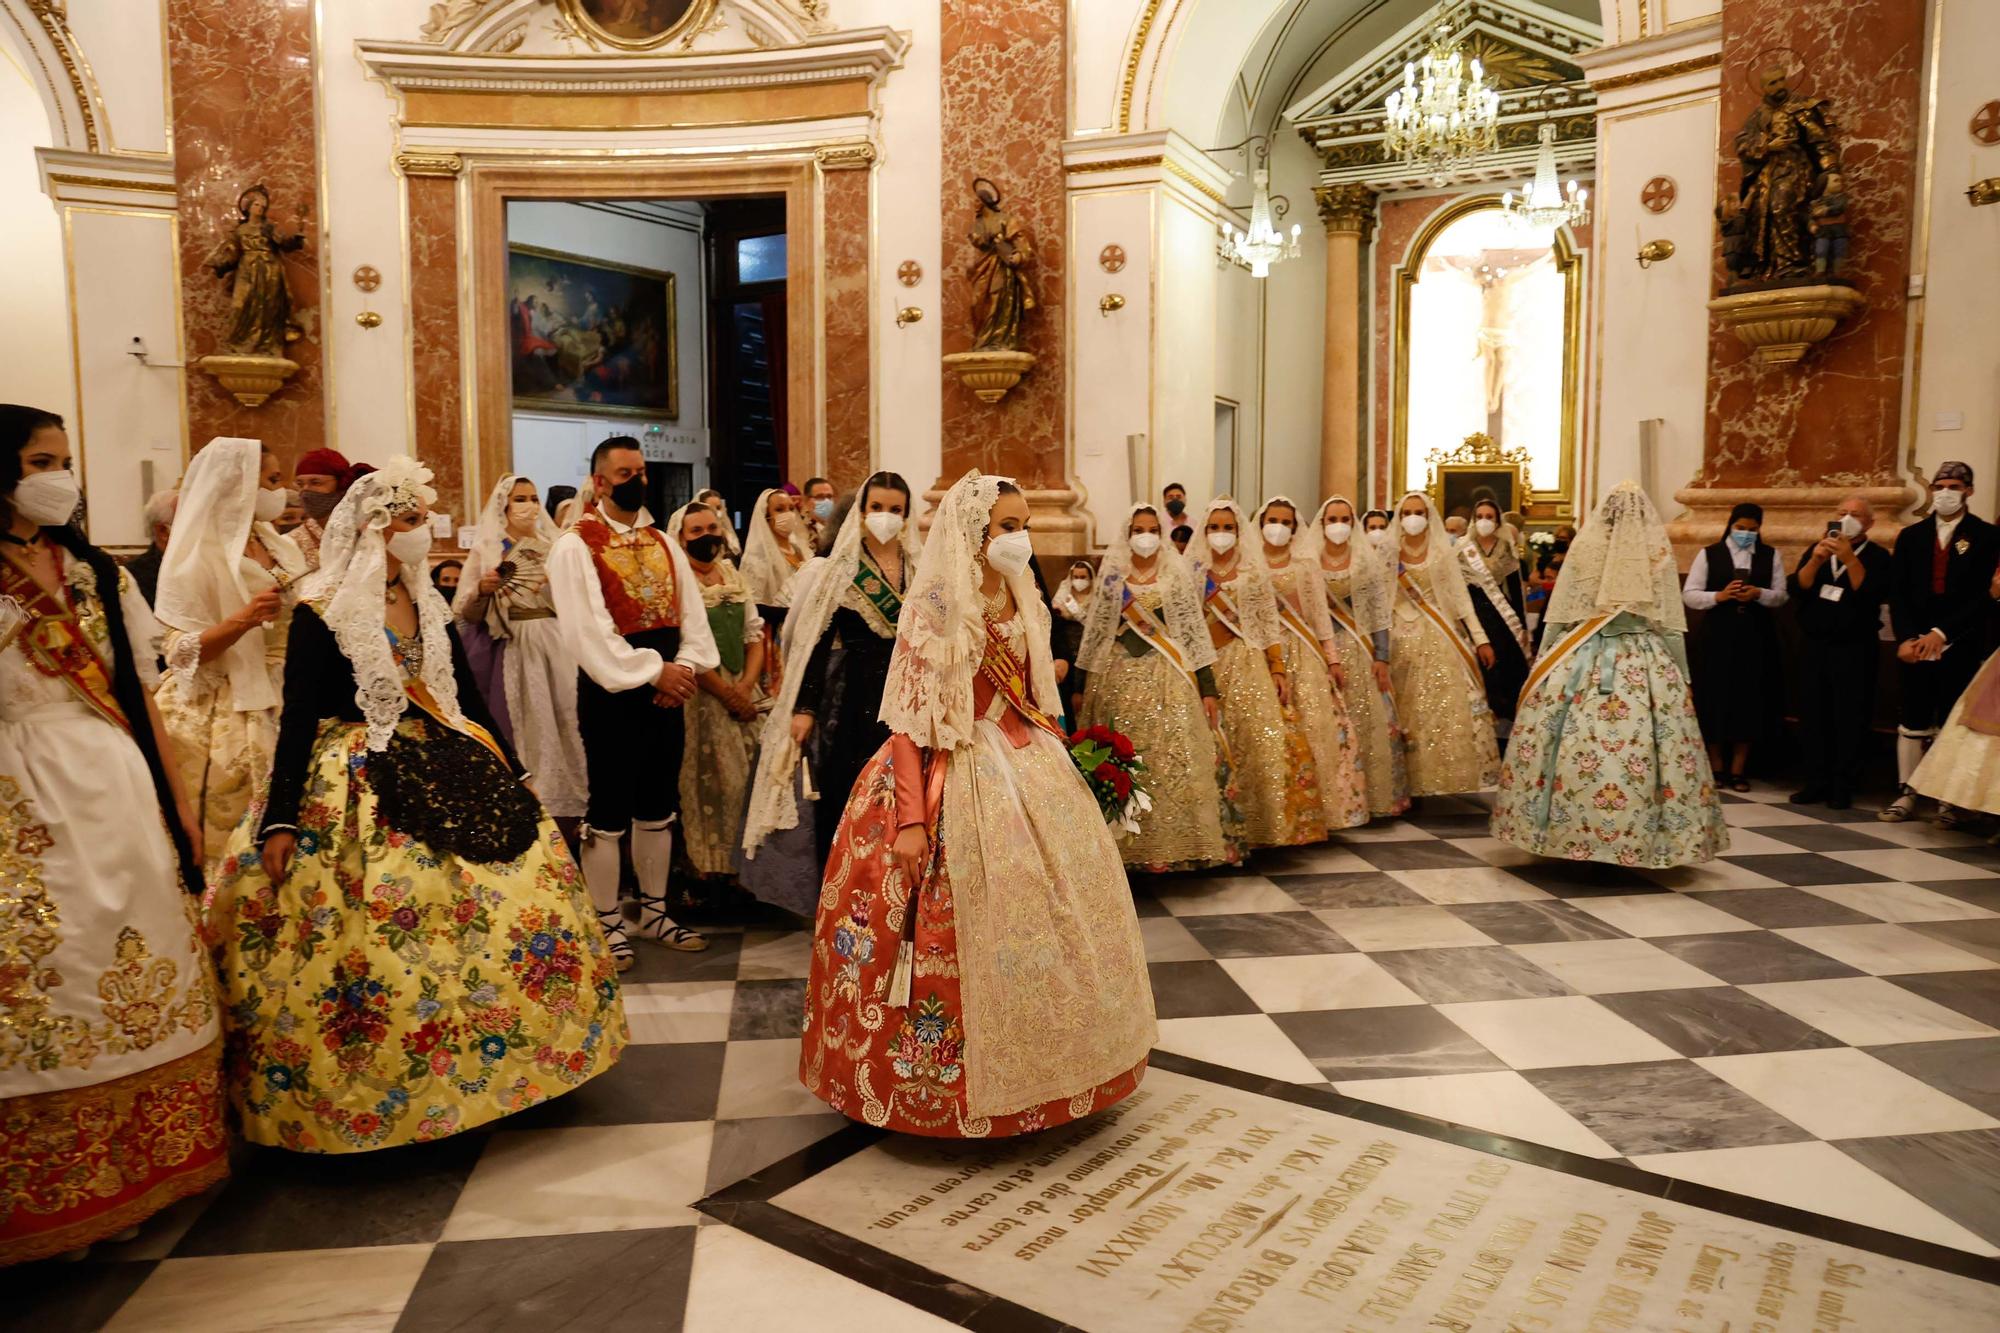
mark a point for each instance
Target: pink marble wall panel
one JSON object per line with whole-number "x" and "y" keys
{"x": 243, "y": 115}
{"x": 1832, "y": 420}
{"x": 848, "y": 451}
{"x": 434, "y": 342}
{"x": 1399, "y": 222}
{"x": 1002, "y": 85}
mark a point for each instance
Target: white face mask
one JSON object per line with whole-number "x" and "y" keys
{"x": 1277, "y": 534}
{"x": 1010, "y": 552}
{"x": 1222, "y": 543}
{"x": 1378, "y": 535}
{"x": 1080, "y": 583}
{"x": 1850, "y": 526}
{"x": 270, "y": 504}
{"x": 520, "y": 510}
{"x": 883, "y": 526}
{"x": 410, "y": 548}
{"x": 1947, "y": 503}
{"x": 46, "y": 497}
{"x": 1145, "y": 545}
{"x": 1338, "y": 533}
{"x": 785, "y": 524}
{"x": 1485, "y": 527}
{"x": 1414, "y": 524}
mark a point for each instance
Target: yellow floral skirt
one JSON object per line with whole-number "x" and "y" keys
{"x": 1277, "y": 787}
{"x": 386, "y": 993}
{"x": 1319, "y": 715}
{"x": 1150, "y": 700}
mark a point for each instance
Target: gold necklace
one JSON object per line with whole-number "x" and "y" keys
{"x": 996, "y": 603}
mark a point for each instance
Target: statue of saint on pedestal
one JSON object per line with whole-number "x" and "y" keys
{"x": 1002, "y": 295}
{"x": 1788, "y": 153}
{"x": 260, "y": 305}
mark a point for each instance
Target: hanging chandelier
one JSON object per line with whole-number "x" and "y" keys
{"x": 1541, "y": 206}
{"x": 1261, "y": 244}
{"x": 1443, "y": 117}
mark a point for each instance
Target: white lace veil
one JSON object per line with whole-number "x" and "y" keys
{"x": 1447, "y": 575}
{"x": 729, "y": 539}
{"x": 1369, "y": 576}
{"x": 487, "y": 547}
{"x": 941, "y": 637}
{"x": 764, "y": 566}
{"x": 348, "y": 586}
{"x": 574, "y": 508}
{"x": 817, "y": 592}
{"x": 1180, "y": 601}
{"x": 1311, "y": 590}
{"x": 1065, "y": 602}
{"x": 1256, "y": 601}
{"x": 201, "y": 576}
{"x": 1621, "y": 560}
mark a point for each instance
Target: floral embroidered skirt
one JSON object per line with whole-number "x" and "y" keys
{"x": 1318, "y": 715}
{"x": 1372, "y": 715}
{"x": 1277, "y": 786}
{"x": 224, "y": 755}
{"x": 386, "y": 993}
{"x": 1444, "y": 712}
{"x": 1151, "y": 701}
{"x": 1606, "y": 761}
{"x": 1030, "y": 1004}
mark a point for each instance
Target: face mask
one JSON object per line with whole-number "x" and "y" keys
{"x": 705, "y": 548}
{"x": 1222, "y": 543}
{"x": 1414, "y": 524}
{"x": 1145, "y": 545}
{"x": 410, "y": 548}
{"x": 785, "y": 524}
{"x": 629, "y": 495}
{"x": 1485, "y": 527}
{"x": 1010, "y": 552}
{"x": 1850, "y": 526}
{"x": 317, "y": 504}
{"x": 883, "y": 526}
{"x": 1080, "y": 583}
{"x": 1277, "y": 534}
{"x": 520, "y": 510}
{"x": 48, "y": 498}
{"x": 1338, "y": 533}
{"x": 822, "y": 510}
{"x": 1378, "y": 535}
{"x": 270, "y": 504}
{"x": 1947, "y": 503}
{"x": 1176, "y": 507}
{"x": 1742, "y": 540}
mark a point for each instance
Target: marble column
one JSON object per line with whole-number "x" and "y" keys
{"x": 436, "y": 366}
{"x": 1349, "y": 214}
{"x": 847, "y": 179}
{"x": 242, "y": 80}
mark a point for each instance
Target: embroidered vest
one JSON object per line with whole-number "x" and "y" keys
{"x": 636, "y": 573}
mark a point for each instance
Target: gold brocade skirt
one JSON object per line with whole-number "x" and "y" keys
{"x": 720, "y": 756}
{"x": 1273, "y": 796}
{"x": 1148, "y": 699}
{"x": 1378, "y": 736}
{"x": 1962, "y": 767}
{"x": 224, "y": 756}
{"x": 1319, "y": 713}
{"x": 1443, "y": 712}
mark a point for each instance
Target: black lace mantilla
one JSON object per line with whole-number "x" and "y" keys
{"x": 448, "y": 791}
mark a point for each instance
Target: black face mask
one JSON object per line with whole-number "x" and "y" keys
{"x": 1176, "y": 507}
{"x": 317, "y": 504}
{"x": 629, "y": 495}
{"x": 705, "y": 549}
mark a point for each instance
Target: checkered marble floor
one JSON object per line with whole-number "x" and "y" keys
{"x": 1812, "y": 1020}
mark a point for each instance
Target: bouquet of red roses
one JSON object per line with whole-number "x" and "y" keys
{"x": 1111, "y": 769}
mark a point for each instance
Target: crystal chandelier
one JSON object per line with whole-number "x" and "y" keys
{"x": 1443, "y": 116}
{"x": 1262, "y": 245}
{"x": 1540, "y": 205}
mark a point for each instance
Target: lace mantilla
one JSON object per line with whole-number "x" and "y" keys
{"x": 1447, "y": 576}
{"x": 1242, "y": 574}
{"x": 1621, "y": 560}
{"x": 764, "y": 565}
{"x": 1370, "y": 594}
{"x": 1180, "y": 601}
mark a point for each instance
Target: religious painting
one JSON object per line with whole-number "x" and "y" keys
{"x": 1460, "y": 486}
{"x": 587, "y": 335}
{"x": 634, "y": 24}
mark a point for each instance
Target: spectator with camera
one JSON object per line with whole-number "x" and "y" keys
{"x": 1838, "y": 587}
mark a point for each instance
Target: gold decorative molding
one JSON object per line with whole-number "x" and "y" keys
{"x": 53, "y": 16}
{"x": 1692, "y": 65}
{"x": 1347, "y": 210}
{"x": 1114, "y": 164}
{"x": 113, "y": 183}
{"x": 1176, "y": 169}
{"x": 429, "y": 164}
{"x": 845, "y": 156}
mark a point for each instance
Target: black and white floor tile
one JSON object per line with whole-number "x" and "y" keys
{"x": 1813, "y": 1020}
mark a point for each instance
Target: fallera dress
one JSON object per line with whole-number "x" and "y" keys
{"x": 1277, "y": 782}
{"x": 1370, "y": 712}
{"x": 1319, "y": 708}
{"x": 1440, "y": 698}
{"x": 1962, "y": 767}
{"x": 721, "y": 751}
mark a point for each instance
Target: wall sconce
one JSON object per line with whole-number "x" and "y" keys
{"x": 1984, "y": 192}
{"x": 1652, "y": 252}
{"x": 367, "y": 278}
{"x": 908, "y": 315}
{"x": 1109, "y": 302}
{"x": 138, "y": 351}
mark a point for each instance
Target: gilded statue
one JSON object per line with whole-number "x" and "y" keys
{"x": 260, "y": 305}
{"x": 1790, "y": 161}
{"x": 1002, "y": 295}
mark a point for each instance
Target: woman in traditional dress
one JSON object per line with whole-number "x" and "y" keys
{"x": 1962, "y": 767}
{"x": 1359, "y": 592}
{"x": 412, "y": 952}
{"x": 1276, "y": 779}
{"x": 713, "y": 499}
{"x": 725, "y": 714}
{"x": 775, "y": 549}
{"x": 1146, "y": 670}
{"x": 1739, "y": 690}
{"x": 977, "y": 968}
{"x": 1375, "y": 524}
{"x": 227, "y": 587}
{"x": 504, "y": 595}
{"x": 111, "y": 1053}
{"x": 826, "y": 726}
{"x": 1489, "y": 557}
{"x": 1313, "y": 662}
{"x": 1440, "y": 695}
{"x": 1606, "y": 762}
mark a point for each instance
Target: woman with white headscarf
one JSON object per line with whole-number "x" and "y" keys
{"x": 1359, "y": 593}
{"x": 411, "y": 953}
{"x": 1489, "y": 557}
{"x": 1312, "y": 660}
{"x": 226, "y": 588}
{"x": 1607, "y": 762}
{"x": 775, "y": 549}
{"x": 1277, "y": 783}
{"x": 1147, "y": 669}
{"x": 977, "y": 969}
{"x": 1437, "y": 652}
{"x": 504, "y": 589}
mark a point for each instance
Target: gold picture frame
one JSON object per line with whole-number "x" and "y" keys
{"x": 646, "y": 303}
{"x": 1454, "y": 479}
{"x": 635, "y": 25}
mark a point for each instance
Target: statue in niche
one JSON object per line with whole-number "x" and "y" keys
{"x": 1789, "y": 158}
{"x": 1002, "y": 295}
{"x": 252, "y": 256}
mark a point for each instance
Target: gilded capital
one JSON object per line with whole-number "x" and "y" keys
{"x": 430, "y": 164}
{"x": 846, "y": 156}
{"x": 1347, "y": 210}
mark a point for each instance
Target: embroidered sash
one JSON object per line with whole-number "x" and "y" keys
{"x": 1558, "y": 652}
{"x": 1445, "y": 627}
{"x": 1475, "y": 563}
{"x": 1295, "y": 622}
{"x": 1008, "y": 675}
{"x": 420, "y": 694}
{"x": 876, "y": 592}
{"x": 1343, "y": 616}
{"x": 1222, "y": 606}
{"x": 1153, "y": 634}
{"x": 54, "y": 640}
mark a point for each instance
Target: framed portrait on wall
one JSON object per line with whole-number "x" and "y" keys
{"x": 635, "y": 25}
{"x": 591, "y": 336}
{"x": 1478, "y": 467}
